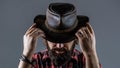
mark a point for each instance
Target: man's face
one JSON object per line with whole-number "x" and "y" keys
{"x": 60, "y": 53}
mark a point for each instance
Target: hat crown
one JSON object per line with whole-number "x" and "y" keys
{"x": 60, "y": 22}
{"x": 61, "y": 16}
{"x": 61, "y": 8}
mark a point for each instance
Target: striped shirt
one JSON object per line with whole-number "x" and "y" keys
{"x": 42, "y": 60}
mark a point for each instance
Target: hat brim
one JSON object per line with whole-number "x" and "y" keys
{"x": 60, "y": 37}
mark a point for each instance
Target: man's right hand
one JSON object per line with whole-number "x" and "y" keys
{"x": 29, "y": 44}
{"x": 30, "y": 40}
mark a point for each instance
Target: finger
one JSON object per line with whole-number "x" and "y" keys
{"x": 90, "y": 28}
{"x": 84, "y": 32}
{"x": 30, "y": 30}
{"x": 79, "y": 34}
{"x": 37, "y": 33}
{"x": 92, "y": 35}
{"x": 41, "y": 33}
{"x": 33, "y": 25}
{"x": 87, "y": 32}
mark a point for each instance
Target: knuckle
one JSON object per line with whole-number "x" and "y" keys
{"x": 27, "y": 36}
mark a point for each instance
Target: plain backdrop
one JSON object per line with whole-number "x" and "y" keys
{"x": 16, "y": 16}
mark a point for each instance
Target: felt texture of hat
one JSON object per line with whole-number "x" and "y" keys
{"x": 60, "y": 22}
{"x": 60, "y": 37}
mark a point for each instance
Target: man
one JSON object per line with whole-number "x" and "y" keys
{"x": 61, "y": 29}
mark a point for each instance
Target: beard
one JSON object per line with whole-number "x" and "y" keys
{"x": 60, "y": 58}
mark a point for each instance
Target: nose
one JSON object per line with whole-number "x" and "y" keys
{"x": 59, "y": 45}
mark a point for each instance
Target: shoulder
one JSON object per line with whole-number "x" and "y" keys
{"x": 40, "y": 54}
{"x": 79, "y": 55}
{"x": 38, "y": 57}
{"x": 77, "y": 52}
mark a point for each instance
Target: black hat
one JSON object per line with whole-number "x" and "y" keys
{"x": 60, "y": 22}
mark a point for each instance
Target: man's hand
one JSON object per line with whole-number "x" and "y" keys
{"x": 86, "y": 39}
{"x": 87, "y": 43}
{"x": 30, "y": 39}
{"x": 29, "y": 43}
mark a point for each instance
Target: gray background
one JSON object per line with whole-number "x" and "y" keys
{"x": 16, "y": 16}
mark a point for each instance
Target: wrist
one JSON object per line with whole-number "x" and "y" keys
{"x": 28, "y": 53}
{"x": 90, "y": 54}
{"x": 25, "y": 59}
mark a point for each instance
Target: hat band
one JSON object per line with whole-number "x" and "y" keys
{"x": 61, "y": 31}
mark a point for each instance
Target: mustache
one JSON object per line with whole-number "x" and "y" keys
{"x": 59, "y": 49}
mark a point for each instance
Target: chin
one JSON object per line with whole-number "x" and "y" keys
{"x": 60, "y": 59}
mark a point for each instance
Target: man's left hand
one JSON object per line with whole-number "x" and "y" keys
{"x": 86, "y": 39}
